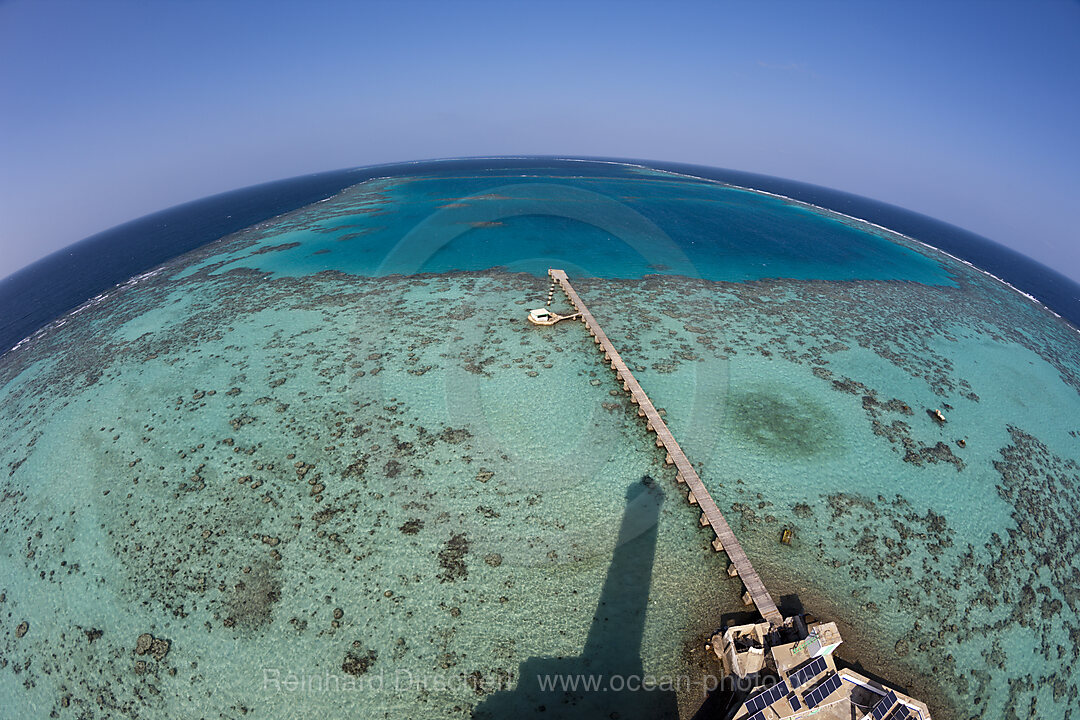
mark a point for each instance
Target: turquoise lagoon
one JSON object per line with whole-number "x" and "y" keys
{"x": 329, "y": 449}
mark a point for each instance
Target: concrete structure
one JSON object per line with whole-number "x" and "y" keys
{"x": 807, "y": 680}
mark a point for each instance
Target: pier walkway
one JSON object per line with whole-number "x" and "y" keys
{"x": 755, "y": 591}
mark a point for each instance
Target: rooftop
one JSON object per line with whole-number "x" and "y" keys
{"x": 808, "y": 681}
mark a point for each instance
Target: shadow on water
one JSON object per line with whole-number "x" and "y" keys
{"x": 791, "y": 605}
{"x": 606, "y": 679}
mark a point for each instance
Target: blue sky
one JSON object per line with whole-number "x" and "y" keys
{"x": 965, "y": 111}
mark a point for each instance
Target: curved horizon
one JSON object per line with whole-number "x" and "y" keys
{"x": 642, "y": 162}
{"x": 224, "y": 213}
{"x": 822, "y": 375}
{"x": 963, "y": 112}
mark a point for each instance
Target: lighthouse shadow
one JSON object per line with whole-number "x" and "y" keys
{"x": 606, "y": 680}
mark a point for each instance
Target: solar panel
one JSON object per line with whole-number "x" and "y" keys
{"x": 793, "y": 701}
{"x": 883, "y": 706}
{"x": 816, "y": 696}
{"x": 759, "y": 715}
{"x": 808, "y": 672}
{"x": 767, "y": 698}
{"x": 900, "y": 713}
{"x": 755, "y": 703}
{"x": 776, "y": 692}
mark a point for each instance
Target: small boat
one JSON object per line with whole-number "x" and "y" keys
{"x": 543, "y": 316}
{"x": 785, "y": 537}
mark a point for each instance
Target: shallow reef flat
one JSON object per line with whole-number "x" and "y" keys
{"x": 947, "y": 548}
{"x": 240, "y": 471}
{"x": 317, "y": 476}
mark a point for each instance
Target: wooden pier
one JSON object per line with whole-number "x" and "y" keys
{"x": 755, "y": 592}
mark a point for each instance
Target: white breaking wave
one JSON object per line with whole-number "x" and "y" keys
{"x": 830, "y": 211}
{"x": 96, "y": 300}
{"x": 61, "y": 321}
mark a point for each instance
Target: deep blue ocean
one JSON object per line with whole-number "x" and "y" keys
{"x": 45, "y": 290}
{"x": 906, "y": 421}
